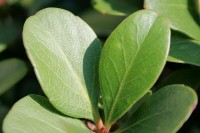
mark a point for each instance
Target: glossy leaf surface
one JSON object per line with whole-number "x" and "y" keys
{"x": 164, "y": 112}
{"x": 11, "y": 71}
{"x": 117, "y": 7}
{"x": 65, "y": 54}
{"x": 34, "y": 114}
{"x": 178, "y": 14}
{"x": 131, "y": 61}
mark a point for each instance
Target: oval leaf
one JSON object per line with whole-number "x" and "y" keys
{"x": 119, "y": 7}
{"x": 65, "y": 53}
{"x": 178, "y": 14}
{"x": 34, "y": 114}
{"x": 131, "y": 61}
{"x": 11, "y": 71}
{"x": 164, "y": 112}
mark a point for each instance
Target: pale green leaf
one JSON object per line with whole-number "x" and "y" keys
{"x": 178, "y": 14}
{"x": 184, "y": 50}
{"x": 65, "y": 53}
{"x": 34, "y": 114}
{"x": 164, "y": 112}
{"x": 131, "y": 61}
{"x": 117, "y": 7}
{"x": 11, "y": 71}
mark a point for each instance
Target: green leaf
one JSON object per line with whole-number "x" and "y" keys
{"x": 131, "y": 61}
{"x": 9, "y": 32}
{"x": 103, "y": 24}
{"x": 178, "y": 14}
{"x": 164, "y": 112}
{"x": 119, "y": 7}
{"x": 2, "y": 47}
{"x": 187, "y": 76}
{"x": 198, "y": 7}
{"x": 184, "y": 50}
{"x": 11, "y": 2}
{"x": 32, "y": 6}
{"x": 11, "y": 71}
{"x": 3, "y": 111}
{"x": 134, "y": 108}
{"x": 65, "y": 53}
{"x": 34, "y": 114}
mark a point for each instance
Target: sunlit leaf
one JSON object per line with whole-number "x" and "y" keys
{"x": 34, "y": 114}
{"x": 65, "y": 53}
{"x": 131, "y": 61}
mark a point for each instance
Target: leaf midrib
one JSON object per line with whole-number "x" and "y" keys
{"x": 121, "y": 85}
{"x": 126, "y": 73}
{"x": 66, "y": 60}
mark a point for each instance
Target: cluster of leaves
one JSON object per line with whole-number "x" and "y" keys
{"x": 63, "y": 88}
{"x": 74, "y": 72}
{"x": 13, "y": 61}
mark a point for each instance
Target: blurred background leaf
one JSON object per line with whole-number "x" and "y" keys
{"x": 11, "y": 71}
{"x": 117, "y": 7}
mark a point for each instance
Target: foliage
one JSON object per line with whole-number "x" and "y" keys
{"x": 90, "y": 88}
{"x": 65, "y": 53}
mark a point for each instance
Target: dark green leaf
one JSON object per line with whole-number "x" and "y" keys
{"x": 183, "y": 50}
{"x": 187, "y": 76}
{"x": 33, "y": 6}
{"x": 117, "y": 7}
{"x": 102, "y": 24}
{"x": 178, "y": 14}
{"x": 65, "y": 53}
{"x": 132, "y": 59}
{"x": 3, "y": 111}
{"x": 133, "y": 109}
{"x": 34, "y": 114}
{"x": 9, "y": 31}
{"x": 164, "y": 112}
{"x": 11, "y": 71}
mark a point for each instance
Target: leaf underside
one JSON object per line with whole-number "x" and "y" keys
{"x": 65, "y": 53}
{"x": 35, "y": 114}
